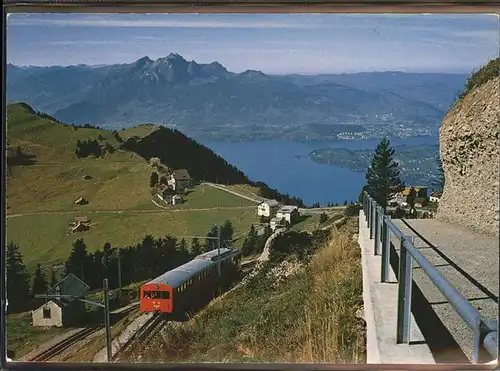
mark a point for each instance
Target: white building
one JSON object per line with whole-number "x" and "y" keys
{"x": 435, "y": 196}
{"x": 274, "y": 223}
{"x": 267, "y": 208}
{"x": 288, "y": 213}
{"x": 179, "y": 180}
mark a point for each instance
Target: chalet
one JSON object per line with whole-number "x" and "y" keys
{"x": 397, "y": 199}
{"x": 179, "y": 180}
{"x": 267, "y": 208}
{"x": 274, "y": 223}
{"x": 177, "y": 199}
{"x": 435, "y": 196}
{"x": 62, "y": 311}
{"x": 400, "y": 198}
{"x": 288, "y": 213}
{"x": 421, "y": 192}
{"x": 170, "y": 197}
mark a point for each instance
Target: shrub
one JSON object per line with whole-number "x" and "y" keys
{"x": 485, "y": 74}
{"x": 352, "y": 210}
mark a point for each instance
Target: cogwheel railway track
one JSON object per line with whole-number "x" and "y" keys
{"x": 144, "y": 334}
{"x": 65, "y": 344}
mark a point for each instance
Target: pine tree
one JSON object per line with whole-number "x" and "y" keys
{"x": 18, "y": 280}
{"x": 196, "y": 248}
{"x": 39, "y": 282}
{"x": 154, "y": 179}
{"x": 246, "y": 248}
{"x": 382, "y": 176}
{"x": 227, "y": 231}
{"x": 210, "y": 243}
{"x": 252, "y": 238}
{"x": 183, "y": 251}
{"x": 78, "y": 261}
{"x": 53, "y": 278}
{"x": 439, "y": 183}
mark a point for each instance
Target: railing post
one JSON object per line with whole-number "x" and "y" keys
{"x": 404, "y": 292}
{"x": 373, "y": 216}
{"x": 380, "y": 226}
{"x": 386, "y": 247}
{"x": 375, "y": 230}
{"x": 369, "y": 211}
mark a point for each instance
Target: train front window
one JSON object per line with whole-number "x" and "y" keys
{"x": 165, "y": 294}
{"x": 157, "y": 294}
{"x": 146, "y": 295}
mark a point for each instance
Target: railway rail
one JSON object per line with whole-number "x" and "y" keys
{"x": 65, "y": 344}
{"x": 143, "y": 334}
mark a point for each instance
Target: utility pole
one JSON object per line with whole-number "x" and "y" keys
{"x": 106, "y": 319}
{"x": 218, "y": 258}
{"x": 119, "y": 276}
{"x": 105, "y": 306}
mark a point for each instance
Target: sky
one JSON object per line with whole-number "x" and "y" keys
{"x": 272, "y": 43}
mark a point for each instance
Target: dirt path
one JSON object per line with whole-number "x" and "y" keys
{"x": 158, "y": 211}
{"x": 255, "y": 198}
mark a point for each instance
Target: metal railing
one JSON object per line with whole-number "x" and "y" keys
{"x": 380, "y": 225}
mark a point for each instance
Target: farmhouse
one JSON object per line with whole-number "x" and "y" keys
{"x": 177, "y": 199}
{"x": 267, "y": 208}
{"x": 179, "y": 180}
{"x": 421, "y": 192}
{"x": 288, "y": 213}
{"x": 62, "y": 311}
{"x": 275, "y": 222}
{"x": 400, "y": 198}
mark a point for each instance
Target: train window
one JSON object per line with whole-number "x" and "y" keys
{"x": 146, "y": 295}
{"x": 156, "y": 294}
{"x": 165, "y": 294}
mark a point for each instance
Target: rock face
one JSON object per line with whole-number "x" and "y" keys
{"x": 469, "y": 140}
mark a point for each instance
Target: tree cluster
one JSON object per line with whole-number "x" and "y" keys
{"x": 145, "y": 260}
{"x": 88, "y": 148}
{"x": 92, "y": 148}
{"x": 254, "y": 243}
{"x": 17, "y": 157}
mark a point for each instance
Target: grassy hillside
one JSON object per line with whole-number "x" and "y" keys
{"x": 309, "y": 316}
{"x": 487, "y": 72}
{"x": 44, "y": 183}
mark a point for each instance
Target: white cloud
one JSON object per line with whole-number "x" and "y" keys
{"x": 86, "y": 42}
{"x": 106, "y": 21}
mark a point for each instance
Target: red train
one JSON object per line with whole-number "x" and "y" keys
{"x": 190, "y": 285}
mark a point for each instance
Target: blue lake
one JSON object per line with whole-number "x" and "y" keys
{"x": 281, "y": 165}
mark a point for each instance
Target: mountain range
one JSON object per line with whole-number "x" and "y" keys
{"x": 206, "y": 101}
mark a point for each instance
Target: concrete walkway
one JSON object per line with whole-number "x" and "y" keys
{"x": 380, "y": 313}
{"x": 470, "y": 262}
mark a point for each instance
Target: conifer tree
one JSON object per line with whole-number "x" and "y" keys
{"x": 39, "y": 282}
{"x": 154, "y": 179}
{"x": 53, "y": 278}
{"x": 18, "y": 280}
{"x": 382, "y": 176}
{"x": 210, "y": 243}
{"x": 439, "y": 183}
{"x": 79, "y": 260}
{"x": 196, "y": 248}
{"x": 227, "y": 231}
